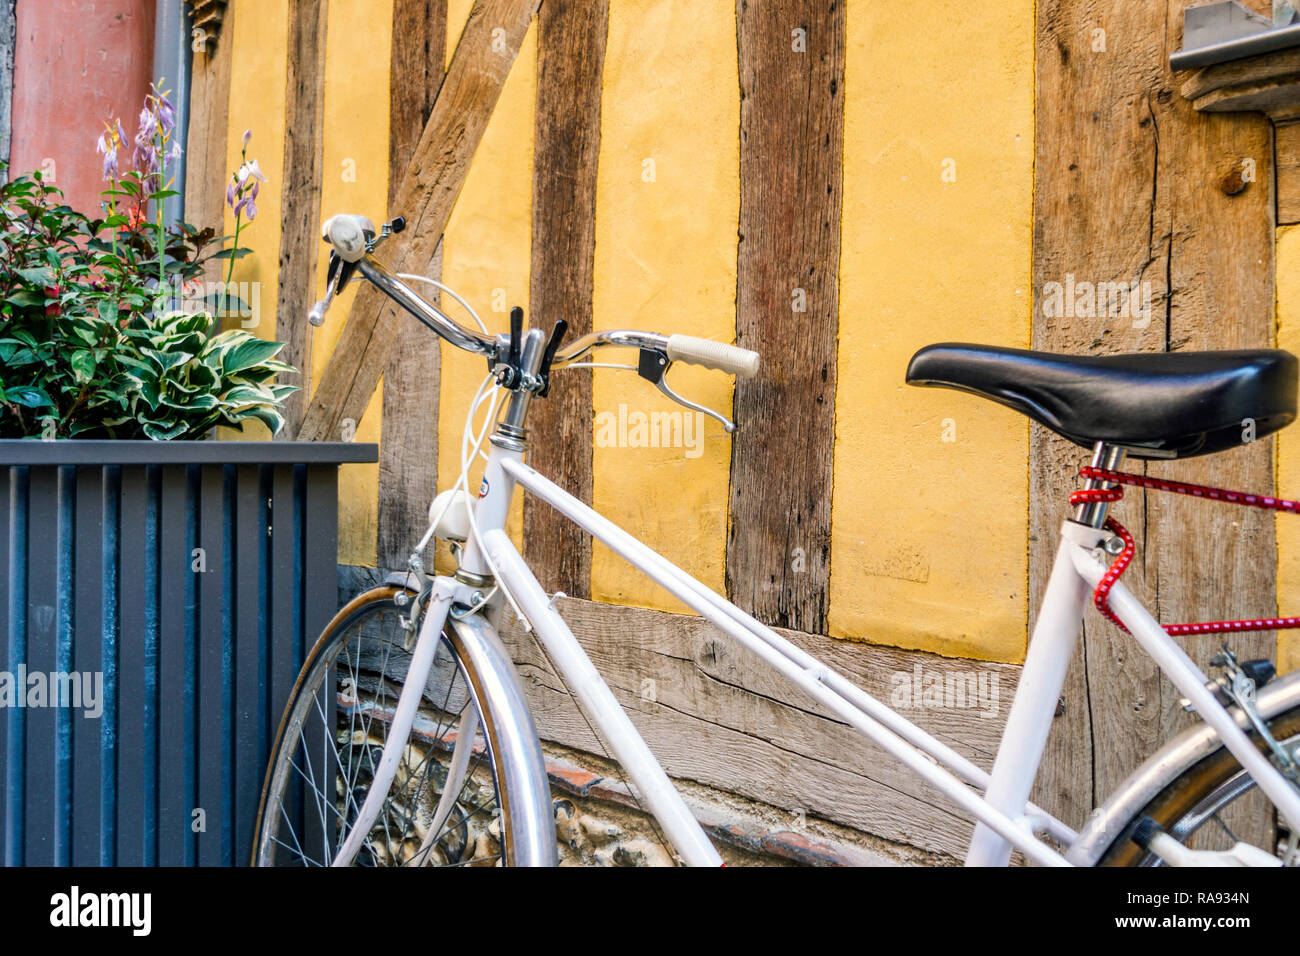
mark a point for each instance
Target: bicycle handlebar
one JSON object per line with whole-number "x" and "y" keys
{"x": 711, "y": 354}
{"x": 354, "y": 238}
{"x": 471, "y": 340}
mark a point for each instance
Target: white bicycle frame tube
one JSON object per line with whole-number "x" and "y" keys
{"x": 1034, "y": 706}
{"x": 599, "y": 704}
{"x": 1188, "y": 678}
{"x": 1005, "y": 818}
{"x": 811, "y": 676}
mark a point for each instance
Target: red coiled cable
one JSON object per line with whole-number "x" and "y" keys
{"x": 1101, "y": 594}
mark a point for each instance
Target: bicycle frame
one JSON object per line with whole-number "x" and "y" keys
{"x": 1006, "y": 820}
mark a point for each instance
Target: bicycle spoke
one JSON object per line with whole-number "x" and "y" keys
{"x": 303, "y": 855}
{"x": 320, "y": 805}
{"x": 307, "y": 779}
{"x": 347, "y": 791}
{"x": 285, "y": 813}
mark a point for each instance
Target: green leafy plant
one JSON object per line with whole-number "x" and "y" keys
{"x": 99, "y": 337}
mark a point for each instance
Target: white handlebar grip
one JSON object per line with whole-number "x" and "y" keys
{"x": 347, "y": 234}
{"x": 710, "y": 354}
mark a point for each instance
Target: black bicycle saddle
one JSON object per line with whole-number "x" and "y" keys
{"x": 1171, "y": 404}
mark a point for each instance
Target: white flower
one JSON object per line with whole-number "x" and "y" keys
{"x": 250, "y": 168}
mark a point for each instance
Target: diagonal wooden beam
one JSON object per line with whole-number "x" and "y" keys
{"x": 487, "y": 49}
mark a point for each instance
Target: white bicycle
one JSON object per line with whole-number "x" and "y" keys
{"x": 408, "y": 739}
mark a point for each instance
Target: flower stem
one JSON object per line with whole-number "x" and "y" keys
{"x": 233, "y": 248}
{"x": 161, "y": 204}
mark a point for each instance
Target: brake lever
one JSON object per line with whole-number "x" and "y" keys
{"x": 317, "y": 314}
{"x": 548, "y": 356}
{"x": 653, "y": 366}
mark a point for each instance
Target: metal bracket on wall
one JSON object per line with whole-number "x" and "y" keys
{"x": 1219, "y": 32}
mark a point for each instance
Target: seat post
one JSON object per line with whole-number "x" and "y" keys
{"x": 1110, "y": 457}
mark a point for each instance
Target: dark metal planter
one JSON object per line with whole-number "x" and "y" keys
{"x": 195, "y": 650}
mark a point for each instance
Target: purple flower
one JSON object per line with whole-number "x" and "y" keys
{"x": 153, "y": 142}
{"x": 107, "y": 146}
{"x": 166, "y": 115}
{"x": 245, "y": 183}
{"x": 248, "y": 134}
{"x": 148, "y": 128}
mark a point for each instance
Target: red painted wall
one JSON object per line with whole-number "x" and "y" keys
{"x": 76, "y": 64}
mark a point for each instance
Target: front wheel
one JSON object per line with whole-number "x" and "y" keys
{"x": 460, "y": 796}
{"x": 1215, "y": 804}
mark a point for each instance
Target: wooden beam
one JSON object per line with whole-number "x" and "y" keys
{"x": 206, "y": 166}
{"x": 787, "y": 304}
{"x": 1286, "y": 148}
{"x": 487, "y": 49}
{"x": 571, "y": 58}
{"x": 300, "y": 227}
{"x": 408, "y": 445}
{"x": 715, "y": 715}
{"x": 1269, "y": 83}
{"x": 1128, "y": 189}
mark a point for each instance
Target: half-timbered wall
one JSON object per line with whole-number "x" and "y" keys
{"x": 833, "y": 185}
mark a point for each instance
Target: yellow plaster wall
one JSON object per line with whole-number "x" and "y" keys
{"x": 928, "y": 536}
{"x": 665, "y": 260}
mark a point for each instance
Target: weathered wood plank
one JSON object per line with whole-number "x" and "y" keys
{"x": 1286, "y": 151}
{"x": 1267, "y": 83}
{"x": 571, "y": 59}
{"x": 787, "y": 303}
{"x": 1128, "y": 190}
{"x": 304, "y": 129}
{"x": 205, "y": 161}
{"x": 714, "y": 714}
{"x": 487, "y": 49}
{"x": 408, "y": 445}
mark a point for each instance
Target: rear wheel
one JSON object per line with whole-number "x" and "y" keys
{"x": 1214, "y": 804}
{"x": 444, "y": 807}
